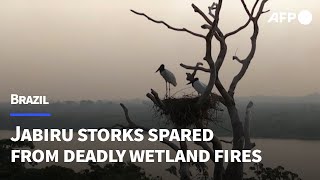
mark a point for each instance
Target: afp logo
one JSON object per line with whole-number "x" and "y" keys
{"x": 304, "y": 17}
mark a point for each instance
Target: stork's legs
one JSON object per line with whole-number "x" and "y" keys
{"x": 167, "y": 89}
{"x": 167, "y": 95}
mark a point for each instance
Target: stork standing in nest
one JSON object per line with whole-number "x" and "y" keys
{"x": 199, "y": 86}
{"x": 168, "y": 76}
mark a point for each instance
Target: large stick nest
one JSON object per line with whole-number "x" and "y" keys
{"x": 184, "y": 111}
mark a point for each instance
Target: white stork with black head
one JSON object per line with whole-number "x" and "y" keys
{"x": 199, "y": 86}
{"x": 168, "y": 76}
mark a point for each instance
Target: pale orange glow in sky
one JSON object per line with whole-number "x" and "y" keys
{"x": 98, "y": 49}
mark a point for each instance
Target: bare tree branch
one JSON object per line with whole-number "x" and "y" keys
{"x": 261, "y": 10}
{"x": 184, "y": 166}
{"x": 217, "y": 13}
{"x": 154, "y": 97}
{"x": 266, "y": 11}
{"x": 191, "y": 77}
{"x": 133, "y": 125}
{"x": 218, "y": 35}
{"x": 206, "y": 26}
{"x": 245, "y": 7}
{"x": 197, "y": 10}
{"x": 211, "y": 8}
{"x": 218, "y": 168}
{"x": 227, "y": 98}
{"x": 168, "y": 26}
{"x": 125, "y": 110}
{"x": 248, "y": 144}
{"x": 254, "y": 7}
{"x": 238, "y": 30}
{"x": 237, "y": 59}
{"x": 213, "y": 72}
{"x": 212, "y": 24}
{"x": 246, "y": 62}
{"x": 195, "y": 68}
{"x": 250, "y": 14}
{"x": 155, "y": 94}
{"x": 222, "y": 52}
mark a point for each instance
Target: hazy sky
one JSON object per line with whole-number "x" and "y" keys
{"x": 98, "y": 49}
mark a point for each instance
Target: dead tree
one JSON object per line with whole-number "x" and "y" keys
{"x": 241, "y": 136}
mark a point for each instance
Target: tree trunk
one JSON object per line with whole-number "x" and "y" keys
{"x": 218, "y": 166}
{"x": 234, "y": 170}
{"x": 184, "y": 166}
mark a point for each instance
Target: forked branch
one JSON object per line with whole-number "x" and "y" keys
{"x": 205, "y": 17}
{"x": 250, "y": 17}
{"x": 246, "y": 61}
{"x": 195, "y": 68}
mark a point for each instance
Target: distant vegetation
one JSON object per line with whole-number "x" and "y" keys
{"x": 272, "y": 117}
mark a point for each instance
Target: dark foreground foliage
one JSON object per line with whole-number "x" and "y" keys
{"x": 266, "y": 173}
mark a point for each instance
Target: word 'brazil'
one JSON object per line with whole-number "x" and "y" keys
{"x": 16, "y": 99}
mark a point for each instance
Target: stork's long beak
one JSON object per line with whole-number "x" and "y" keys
{"x": 189, "y": 83}
{"x": 157, "y": 70}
